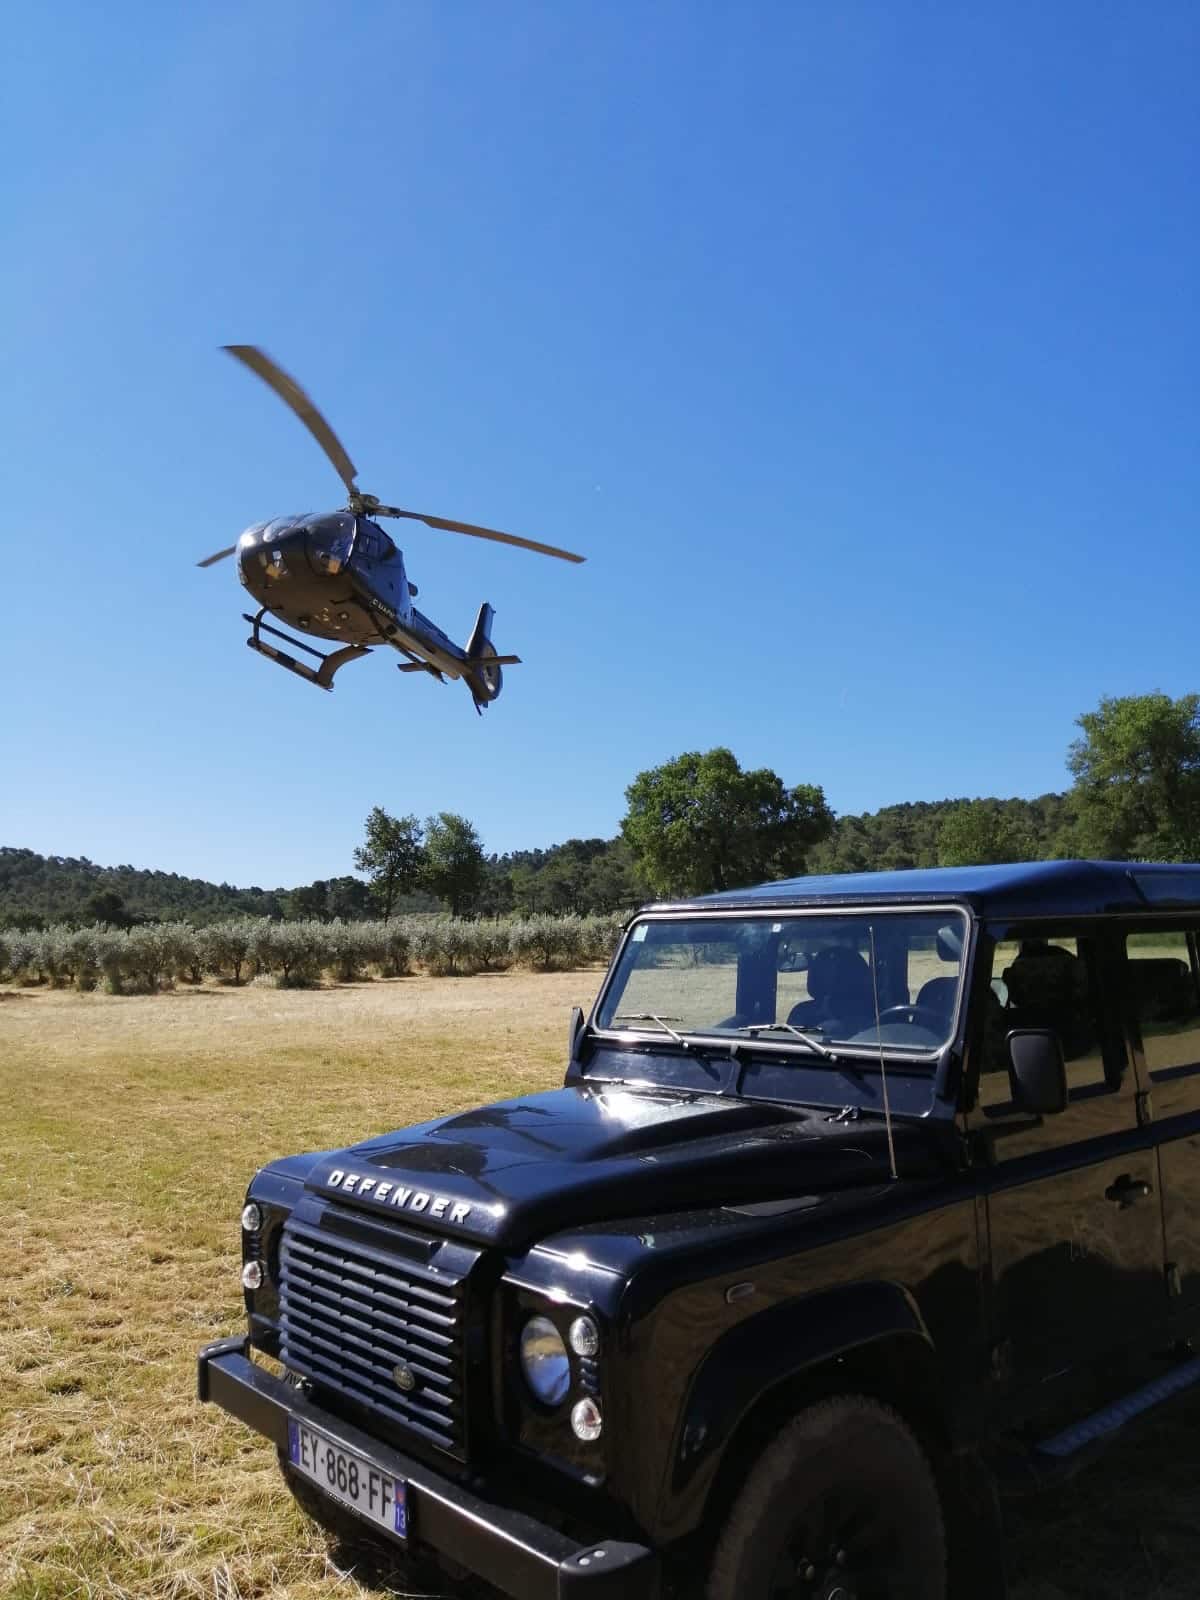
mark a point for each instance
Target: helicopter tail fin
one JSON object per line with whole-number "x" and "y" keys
{"x": 483, "y": 674}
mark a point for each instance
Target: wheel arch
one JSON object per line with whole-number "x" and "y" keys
{"x": 867, "y": 1339}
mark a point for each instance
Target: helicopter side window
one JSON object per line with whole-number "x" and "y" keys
{"x": 373, "y": 544}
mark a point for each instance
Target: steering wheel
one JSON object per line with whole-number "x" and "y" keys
{"x": 920, "y": 1016}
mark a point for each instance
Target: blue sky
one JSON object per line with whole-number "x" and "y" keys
{"x": 855, "y": 345}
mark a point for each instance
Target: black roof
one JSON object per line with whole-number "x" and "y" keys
{"x": 1022, "y": 889}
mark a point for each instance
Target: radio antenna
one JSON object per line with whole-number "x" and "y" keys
{"x": 887, "y": 1110}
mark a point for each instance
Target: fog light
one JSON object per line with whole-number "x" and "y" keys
{"x": 586, "y": 1421}
{"x": 584, "y": 1336}
{"x": 251, "y": 1217}
{"x": 252, "y": 1275}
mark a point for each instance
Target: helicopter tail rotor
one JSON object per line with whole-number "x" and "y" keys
{"x": 483, "y": 672}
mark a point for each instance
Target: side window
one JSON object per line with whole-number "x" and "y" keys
{"x": 1039, "y": 982}
{"x": 1164, "y": 995}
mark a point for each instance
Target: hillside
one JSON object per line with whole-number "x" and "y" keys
{"x": 58, "y": 889}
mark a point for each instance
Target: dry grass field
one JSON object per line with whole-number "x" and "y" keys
{"x": 128, "y": 1128}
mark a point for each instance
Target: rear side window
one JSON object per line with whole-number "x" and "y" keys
{"x": 1041, "y": 982}
{"x": 1164, "y": 995}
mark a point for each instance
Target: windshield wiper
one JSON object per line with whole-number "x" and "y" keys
{"x": 705, "y": 1052}
{"x": 652, "y": 1016}
{"x": 813, "y": 1043}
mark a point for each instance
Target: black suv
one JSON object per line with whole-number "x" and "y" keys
{"x": 862, "y": 1196}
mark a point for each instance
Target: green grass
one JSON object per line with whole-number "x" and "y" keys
{"x": 128, "y": 1129}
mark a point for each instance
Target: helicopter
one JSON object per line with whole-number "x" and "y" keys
{"x": 338, "y": 575}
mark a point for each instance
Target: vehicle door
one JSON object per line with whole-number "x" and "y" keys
{"x": 1073, "y": 1213}
{"x": 1162, "y": 988}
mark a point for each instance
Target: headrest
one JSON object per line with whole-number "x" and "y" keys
{"x": 838, "y": 973}
{"x": 1162, "y": 988}
{"x": 1045, "y": 973}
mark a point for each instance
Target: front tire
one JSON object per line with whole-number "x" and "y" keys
{"x": 842, "y": 1505}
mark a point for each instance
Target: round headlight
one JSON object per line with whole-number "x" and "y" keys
{"x": 544, "y": 1361}
{"x": 252, "y": 1275}
{"x": 251, "y": 1217}
{"x": 585, "y": 1337}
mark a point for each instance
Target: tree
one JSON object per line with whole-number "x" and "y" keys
{"x": 981, "y": 831}
{"x": 107, "y": 908}
{"x": 392, "y": 857}
{"x": 348, "y": 899}
{"x": 454, "y": 863}
{"x": 309, "y": 900}
{"x": 1137, "y": 777}
{"x": 699, "y": 823}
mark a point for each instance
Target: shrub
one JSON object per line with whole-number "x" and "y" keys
{"x": 425, "y": 945}
{"x": 395, "y": 941}
{"x": 292, "y": 952}
{"x": 601, "y": 935}
{"x": 112, "y": 957}
{"x": 188, "y": 953}
{"x": 24, "y": 952}
{"x": 493, "y": 949}
{"x": 547, "y": 943}
{"x": 83, "y": 954}
{"x": 55, "y": 957}
{"x": 150, "y": 956}
{"x": 225, "y": 947}
{"x": 350, "y": 947}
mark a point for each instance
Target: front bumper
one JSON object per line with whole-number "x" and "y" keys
{"x": 517, "y": 1554}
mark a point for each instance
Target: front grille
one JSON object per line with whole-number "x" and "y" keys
{"x": 350, "y": 1313}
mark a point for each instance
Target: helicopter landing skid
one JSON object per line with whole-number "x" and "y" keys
{"x": 322, "y": 676}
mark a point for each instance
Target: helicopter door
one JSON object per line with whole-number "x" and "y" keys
{"x": 381, "y": 566}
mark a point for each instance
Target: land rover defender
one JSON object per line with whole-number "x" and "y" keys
{"x": 862, "y": 1196}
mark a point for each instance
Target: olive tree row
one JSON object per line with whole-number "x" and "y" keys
{"x": 293, "y": 954}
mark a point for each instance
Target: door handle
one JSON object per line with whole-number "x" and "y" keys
{"x": 1126, "y": 1190}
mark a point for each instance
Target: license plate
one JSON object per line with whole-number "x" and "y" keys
{"x": 349, "y": 1477}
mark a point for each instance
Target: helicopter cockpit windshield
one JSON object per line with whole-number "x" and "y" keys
{"x": 331, "y": 540}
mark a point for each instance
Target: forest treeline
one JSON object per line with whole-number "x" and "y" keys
{"x": 581, "y": 876}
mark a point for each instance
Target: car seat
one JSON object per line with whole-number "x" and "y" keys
{"x": 839, "y": 983}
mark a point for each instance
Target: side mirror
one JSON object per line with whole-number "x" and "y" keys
{"x": 1037, "y": 1071}
{"x": 574, "y": 1033}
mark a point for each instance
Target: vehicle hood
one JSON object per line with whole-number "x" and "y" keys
{"x": 511, "y": 1172}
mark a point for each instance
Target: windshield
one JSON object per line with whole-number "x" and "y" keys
{"x": 854, "y": 978}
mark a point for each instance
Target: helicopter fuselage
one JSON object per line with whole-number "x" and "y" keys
{"x": 333, "y": 575}
{"x": 337, "y": 575}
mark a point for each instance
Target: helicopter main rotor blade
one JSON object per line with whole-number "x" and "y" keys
{"x": 477, "y": 532}
{"x": 210, "y": 561}
{"x": 290, "y": 392}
